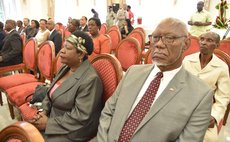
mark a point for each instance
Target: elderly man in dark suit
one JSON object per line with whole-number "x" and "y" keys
{"x": 54, "y": 36}
{"x": 11, "y": 52}
{"x": 161, "y": 102}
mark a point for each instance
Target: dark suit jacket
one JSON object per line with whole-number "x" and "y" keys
{"x": 2, "y": 36}
{"x": 57, "y": 40}
{"x": 180, "y": 114}
{"x": 74, "y": 107}
{"x": 85, "y": 29}
{"x": 12, "y": 49}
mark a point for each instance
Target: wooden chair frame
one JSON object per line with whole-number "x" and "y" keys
{"x": 23, "y": 130}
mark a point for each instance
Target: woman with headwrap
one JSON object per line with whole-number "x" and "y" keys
{"x": 73, "y": 104}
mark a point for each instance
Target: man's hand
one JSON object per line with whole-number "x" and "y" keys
{"x": 212, "y": 122}
{"x": 1, "y": 59}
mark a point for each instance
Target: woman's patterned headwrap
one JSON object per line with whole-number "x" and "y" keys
{"x": 77, "y": 43}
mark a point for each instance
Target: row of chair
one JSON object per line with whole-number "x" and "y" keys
{"x": 18, "y": 86}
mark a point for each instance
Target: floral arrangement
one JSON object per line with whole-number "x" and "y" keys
{"x": 221, "y": 20}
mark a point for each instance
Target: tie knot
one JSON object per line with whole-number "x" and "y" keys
{"x": 159, "y": 75}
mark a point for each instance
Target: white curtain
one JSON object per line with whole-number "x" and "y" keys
{"x": 10, "y": 9}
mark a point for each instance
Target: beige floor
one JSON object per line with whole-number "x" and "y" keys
{"x": 5, "y": 120}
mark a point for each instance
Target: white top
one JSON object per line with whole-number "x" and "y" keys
{"x": 42, "y": 36}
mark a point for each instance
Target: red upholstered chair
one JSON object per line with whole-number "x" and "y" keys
{"x": 140, "y": 29}
{"x": 110, "y": 72}
{"x": 113, "y": 27}
{"x": 140, "y": 37}
{"x": 17, "y": 95}
{"x": 128, "y": 52}
{"x": 57, "y": 64}
{"x": 194, "y": 47}
{"x": 225, "y": 46}
{"x": 226, "y": 58}
{"x": 29, "y": 63}
{"x": 115, "y": 36}
{"x": 103, "y": 28}
{"x": 21, "y": 132}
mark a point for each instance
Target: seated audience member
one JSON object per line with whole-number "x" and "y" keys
{"x": 100, "y": 41}
{"x": 72, "y": 106}
{"x": 27, "y": 27}
{"x": 2, "y": 34}
{"x": 178, "y": 111}
{"x": 54, "y": 36}
{"x": 83, "y": 24}
{"x": 126, "y": 29}
{"x": 208, "y": 67}
{"x": 20, "y": 26}
{"x": 74, "y": 25}
{"x": 43, "y": 33}
{"x": 33, "y": 30}
{"x": 69, "y": 21}
{"x": 11, "y": 52}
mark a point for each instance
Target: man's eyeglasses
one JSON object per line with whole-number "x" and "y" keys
{"x": 166, "y": 39}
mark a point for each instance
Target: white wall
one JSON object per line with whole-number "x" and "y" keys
{"x": 70, "y": 8}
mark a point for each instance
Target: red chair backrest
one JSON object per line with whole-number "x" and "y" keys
{"x": 148, "y": 57}
{"x": 225, "y": 46}
{"x": 66, "y": 33}
{"x": 45, "y": 57}
{"x": 128, "y": 52}
{"x": 29, "y": 54}
{"x": 140, "y": 29}
{"x": 110, "y": 71}
{"x": 114, "y": 27}
{"x": 194, "y": 47}
{"x": 140, "y": 37}
{"x": 103, "y": 28}
{"x": 57, "y": 64}
{"x": 115, "y": 36}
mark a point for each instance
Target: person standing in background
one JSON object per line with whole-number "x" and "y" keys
{"x": 130, "y": 14}
{"x": 122, "y": 14}
{"x": 200, "y": 21}
{"x": 95, "y": 14}
{"x": 111, "y": 16}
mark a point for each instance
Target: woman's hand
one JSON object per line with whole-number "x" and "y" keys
{"x": 40, "y": 121}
